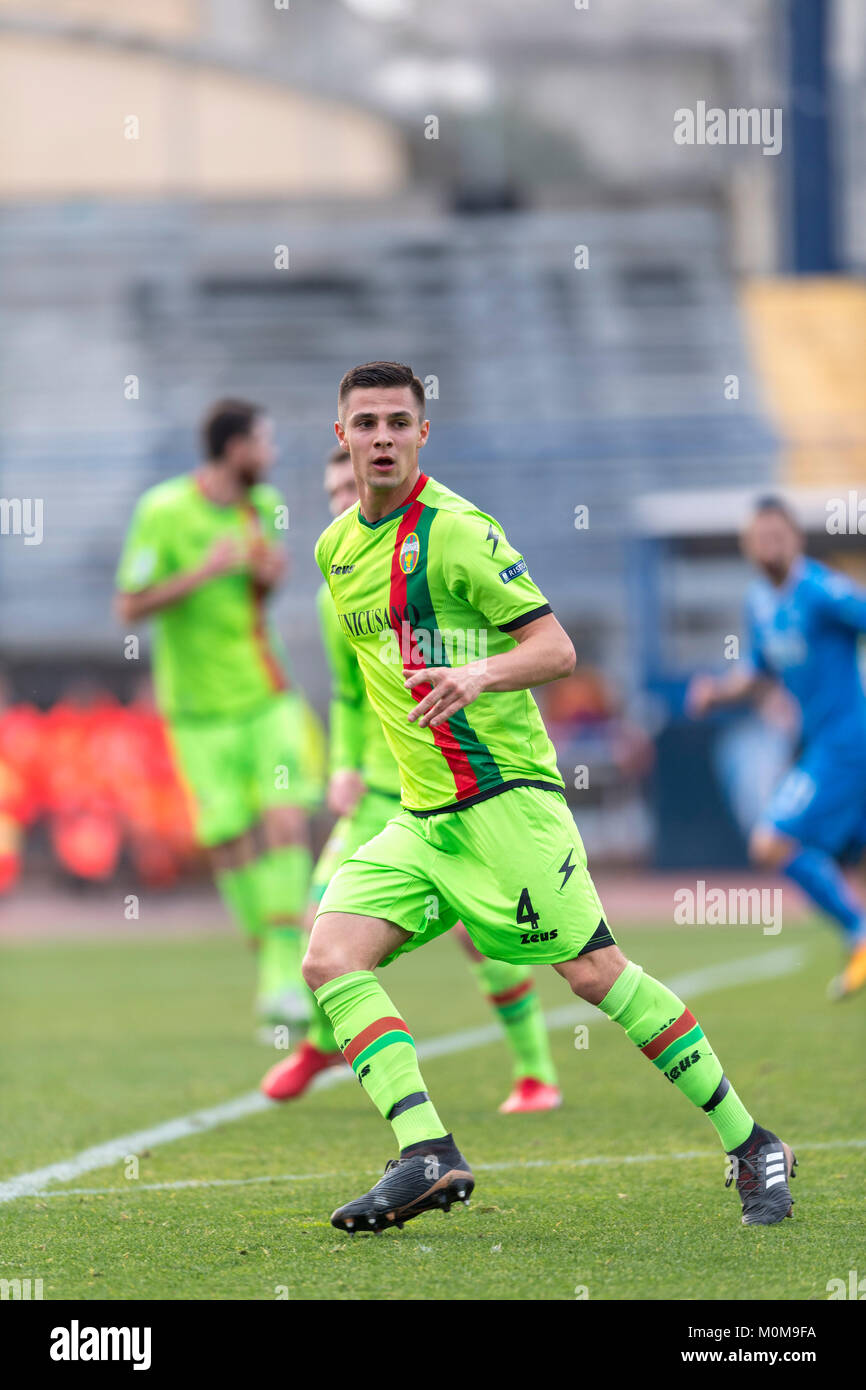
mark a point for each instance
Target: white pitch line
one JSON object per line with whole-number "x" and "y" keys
{"x": 744, "y": 970}
{"x": 599, "y": 1161}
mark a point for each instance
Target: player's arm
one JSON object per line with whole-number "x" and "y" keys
{"x": 268, "y": 565}
{"x": 133, "y": 604}
{"x": 736, "y": 687}
{"x": 746, "y": 682}
{"x": 841, "y": 601}
{"x": 348, "y": 694}
{"x": 544, "y": 653}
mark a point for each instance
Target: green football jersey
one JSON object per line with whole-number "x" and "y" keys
{"x": 435, "y": 583}
{"x": 357, "y": 739}
{"x": 214, "y": 652}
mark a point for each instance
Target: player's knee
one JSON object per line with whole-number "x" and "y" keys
{"x": 285, "y": 825}
{"x": 314, "y": 970}
{"x": 231, "y": 854}
{"x": 592, "y": 976}
{"x": 321, "y": 964}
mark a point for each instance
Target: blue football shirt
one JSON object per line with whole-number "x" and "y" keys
{"x": 805, "y": 634}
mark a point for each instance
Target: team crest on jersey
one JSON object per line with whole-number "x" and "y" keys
{"x": 409, "y": 552}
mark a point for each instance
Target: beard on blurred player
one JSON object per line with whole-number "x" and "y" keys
{"x": 773, "y": 540}
{"x": 239, "y": 449}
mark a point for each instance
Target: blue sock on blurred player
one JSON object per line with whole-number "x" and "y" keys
{"x": 820, "y": 877}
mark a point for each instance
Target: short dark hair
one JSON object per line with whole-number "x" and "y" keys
{"x": 225, "y": 420}
{"x": 773, "y": 504}
{"x": 383, "y": 374}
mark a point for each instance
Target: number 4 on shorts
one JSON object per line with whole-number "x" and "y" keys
{"x": 526, "y": 914}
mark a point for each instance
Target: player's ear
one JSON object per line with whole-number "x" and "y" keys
{"x": 423, "y": 433}
{"x": 341, "y": 434}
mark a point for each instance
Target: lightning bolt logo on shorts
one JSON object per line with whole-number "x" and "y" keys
{"x": 566, "y": 869}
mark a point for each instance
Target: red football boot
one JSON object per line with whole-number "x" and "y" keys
{"x": 529, "y": 1094}
{"x": 293, "y": 1076}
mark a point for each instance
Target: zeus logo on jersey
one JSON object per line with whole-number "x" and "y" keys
{"x": 342, "y": 569}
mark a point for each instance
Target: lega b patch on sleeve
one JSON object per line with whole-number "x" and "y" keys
{"x": 506, "y": 575}
{"x": 143, "y": 565}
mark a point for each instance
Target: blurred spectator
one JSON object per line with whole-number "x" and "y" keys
{"x": 99, "y": 774}
{"x": 584, "y": 716}
{"x": 604, "y": 757}
{"x": 20, "y": 781}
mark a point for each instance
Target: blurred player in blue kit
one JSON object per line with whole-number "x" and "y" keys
{"x": 804, "y": 621}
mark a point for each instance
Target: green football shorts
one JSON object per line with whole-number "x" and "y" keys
{"x": 511, "y": 867}
{"x": 371, "y": 815}
{"x": 236, "y": 768}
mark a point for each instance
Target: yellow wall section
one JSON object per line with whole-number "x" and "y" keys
{"x": 204, "y": 132}
{"x": 808, "y": 340}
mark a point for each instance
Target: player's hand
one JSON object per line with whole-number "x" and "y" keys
{"x": 700, "y": 696}
{"x": 267, "y": 564}
{"x": 345, "y": 790}
{"x": 224, "y": 556}
{"x": 454, "y": 687}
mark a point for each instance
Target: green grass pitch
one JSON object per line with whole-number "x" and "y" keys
{"x": 110, "y": 1038}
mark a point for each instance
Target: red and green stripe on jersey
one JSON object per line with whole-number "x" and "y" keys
{"x": 436, "y": 583}
{"x": 472, "y": 765}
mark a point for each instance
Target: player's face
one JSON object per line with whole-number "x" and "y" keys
{"x": 381, "y": 429}
{"x": 253, "y": 455}
{"x": 772, "y": 543}
{"x": 340, "y": 486}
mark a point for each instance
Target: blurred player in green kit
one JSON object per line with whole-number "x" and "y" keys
{"x": 364, "y": 792}
{"x": 202, "y": 556}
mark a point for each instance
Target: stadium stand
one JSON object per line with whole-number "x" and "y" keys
{"x": 601, "y": 383}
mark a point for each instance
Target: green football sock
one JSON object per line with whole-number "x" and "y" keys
{"x": 282, "y": 879}
{"x": 280, "y": 957}
{"x": 511, "y": 990}
{"x": 381, "y": 1051}
{"x": 319, "y": 1032}
{"x": 239, "y": 892}
{"x": 669, "y": 1035}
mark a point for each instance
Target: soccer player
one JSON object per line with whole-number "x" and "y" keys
{"x": 364, "y": 792}
{"x": 804, "y": 621}
{"x": 421, "y": 580}
{"x": 202, "y": 556}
